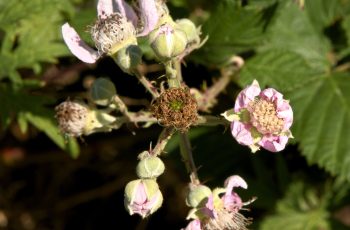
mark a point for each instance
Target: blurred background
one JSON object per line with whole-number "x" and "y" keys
{"x": 301, "y": 48}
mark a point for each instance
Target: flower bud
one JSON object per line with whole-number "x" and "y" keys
{"x": 102, "y": 91}
{"x": 128, "y": 58}
{"x": 150, "y": 167}
{"x": 142, "y": 197}
{"x": 168, "y": 42}
{"x": 75, "y": 118}
{"x": 190, "y": 29}
{"x": 197, "y": 195}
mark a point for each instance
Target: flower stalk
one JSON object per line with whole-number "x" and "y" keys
{"x": 186, "y": 153}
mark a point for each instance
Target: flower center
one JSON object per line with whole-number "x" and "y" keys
{"x": 111, "y": 31}
{"x": 263, "y": 117}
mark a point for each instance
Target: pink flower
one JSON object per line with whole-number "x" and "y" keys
{"x": 193, "y": 225}
{"x": 142, "y": 197}
{"x": 261, "y": 118}
{"x": 114, "y": 29}
{"x": 232, "y": 201}
{"x": 221, "y": 211}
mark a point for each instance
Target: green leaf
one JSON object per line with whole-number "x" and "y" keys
{"x": 231, "y": 29}
{"x": 30, "y": 34}
{"x": 301, "y": 208}
{"x": 321, "y": 105}
{"x": 293, "y": 31}
{"x": 323, "y": 13}
{"x": 32, "y": 109}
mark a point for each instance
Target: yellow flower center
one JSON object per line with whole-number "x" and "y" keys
{"x": 263, "y": 116}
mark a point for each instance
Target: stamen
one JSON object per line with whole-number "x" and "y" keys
{"x": 263, "y": 116}
{"x": 111, "y": 30}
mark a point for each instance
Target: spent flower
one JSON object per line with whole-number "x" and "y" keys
{"x": 75, "y": 118}
{"x": 114, "y": 29}
{"x": 261, "y": 118}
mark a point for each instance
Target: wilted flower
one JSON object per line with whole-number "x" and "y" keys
{"x": 261, "y": 118}
{"x": 221, "y": 212}
{"x": 75, "y": 118}
{"x": 142, "y": 197}
{"x": 114, "y": 29}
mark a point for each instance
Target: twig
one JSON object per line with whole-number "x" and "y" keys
{"x": 186, "y": 153}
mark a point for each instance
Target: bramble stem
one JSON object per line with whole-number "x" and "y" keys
{"x": 163, "y": 139}
{"x": 147, "y": 84}
{"x": 186, "y": 153}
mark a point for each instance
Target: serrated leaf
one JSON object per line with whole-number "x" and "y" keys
{"x": 32, "y": 109}
{"x": 293, "y": 31}
{"x": 321, "y": 105}
{"x": 231, "y": 29}
{"x": 301, "y": 208}
{"x": 31, "y": 34}
{"x": 323, "y": 13}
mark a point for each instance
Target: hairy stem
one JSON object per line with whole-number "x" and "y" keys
{"x": 186, "y": 153}
{"x": 147, "y": 84}
{"x": 163, "y": 139}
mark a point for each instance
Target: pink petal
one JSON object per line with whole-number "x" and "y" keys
{"x": 104, "y": 8}
{"x": 193, "y": 225}
{"x": 149, "y": 16}
{"x": 232, "y": 202}
{"x": 77, "y": 46}
{"x": 140, "y": 194}
{"x": 127, "y": 11}
{"x": 234, "y": 182}
{"x": 209, "y": 209}
{"x": 274, "y": 143}
{"x": 247, "y": 95}
{"x": 241, "y": 133}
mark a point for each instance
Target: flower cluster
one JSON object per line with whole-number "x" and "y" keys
{"x": 261, "y": 118}
{"x": 217, "y": 209}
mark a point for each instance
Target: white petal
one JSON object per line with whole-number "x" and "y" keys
{"x": 77, "y": 46}
{"x": 149, "y": 16}
{"x": 104, "y": 8}
{"x": 127, "y": 11}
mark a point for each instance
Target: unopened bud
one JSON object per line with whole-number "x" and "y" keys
{"x": 142, "y": 197}
{"x": 168, "y": 42}
{"x": 197, "y": 195}
{"x": 190, "y": 29}
{"x": 128, "y": 58}
{"x": 75, "y": 118}
{"x": 102, "y": 91}
{"x": 150, "y": 167}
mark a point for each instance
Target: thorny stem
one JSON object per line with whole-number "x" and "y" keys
{"x": 146, "y": 117}
{"x": 147, "y": 84}
{"x": 186, "y": 153}
{"x": 163, "y": 139}
{"x": 208, "y": 98}
{"x": 177, "y": 64}
{"x": 121, "y": 106}
{"x": 208, "y": 120}
{"x": 172, "y": 75}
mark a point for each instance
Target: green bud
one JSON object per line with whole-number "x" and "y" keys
{"x": 150, "y": 167}
{"x": 102, "y": 91}
{"x": 127, "y": 58}
{"x": 197, "y": 195}
{"x": 190, "y": 29}
{"x": 168, "y": 42}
